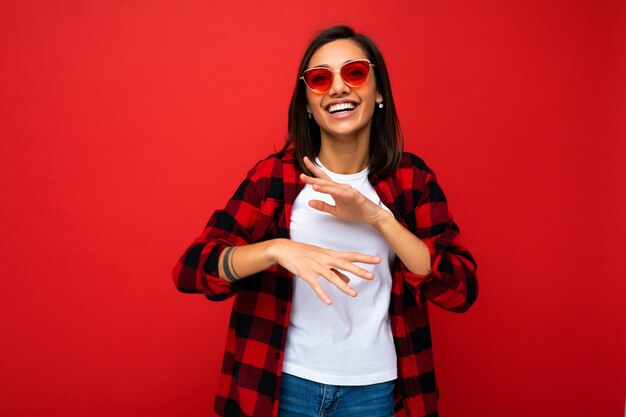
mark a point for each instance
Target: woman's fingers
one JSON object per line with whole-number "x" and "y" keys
{"x": 317, "y": 287}
{"x": 347, "y": 260}
{"x": 343, "y": 277}
{"x": 329, "y": 187}
{"x": 314, "y": 169}
{"x": 334, "y": 189}
{"x": 356, "y": 270}
{"x": 357, "y": 257}
{"x": 322, "y": 206}
{"x": 334, "y": 279}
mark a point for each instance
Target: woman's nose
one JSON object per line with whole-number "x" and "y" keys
{"x": 339, "y": 86}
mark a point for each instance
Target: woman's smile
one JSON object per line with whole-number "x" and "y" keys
{"x": 341, "y": 109}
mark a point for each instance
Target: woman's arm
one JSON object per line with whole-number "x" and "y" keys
{"x": 305, "y": 261}
{"x": 411, "y": 250}
{"x": 243, "y": 261}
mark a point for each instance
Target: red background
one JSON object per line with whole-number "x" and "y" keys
{"x": 123, "y": 125}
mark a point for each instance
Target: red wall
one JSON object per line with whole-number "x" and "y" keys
{"x": 123, "y": 125}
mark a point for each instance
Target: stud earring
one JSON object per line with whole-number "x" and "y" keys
{"x": 381, "y": 105}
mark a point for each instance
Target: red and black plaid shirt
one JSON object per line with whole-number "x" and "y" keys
{"x": 260, "y": 210}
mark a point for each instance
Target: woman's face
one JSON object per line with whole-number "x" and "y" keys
{"x": 364, "y": 97}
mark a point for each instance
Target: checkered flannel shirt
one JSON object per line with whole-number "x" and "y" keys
{"x": 260, "y": 209}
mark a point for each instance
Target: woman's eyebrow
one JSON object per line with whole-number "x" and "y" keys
{"x": 328, "y": 66}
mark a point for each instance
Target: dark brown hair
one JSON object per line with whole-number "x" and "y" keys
{"x": 386, "y": 142}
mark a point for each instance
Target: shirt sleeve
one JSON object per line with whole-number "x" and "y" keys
{"x": 452, "y": 283}
{"x": 197, "y": 269}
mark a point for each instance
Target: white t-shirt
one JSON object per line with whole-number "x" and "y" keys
{"x": 348, "y": 342}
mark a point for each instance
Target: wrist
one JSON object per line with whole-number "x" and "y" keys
{"x": 273, "y": 249}
{"x": 227, "y": 265}
{"x": 383, "y": 219}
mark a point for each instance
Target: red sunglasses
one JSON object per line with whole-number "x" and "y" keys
{"x": 320, "y": 79}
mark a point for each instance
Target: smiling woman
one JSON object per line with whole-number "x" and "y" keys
{"x": 341, "y": 214}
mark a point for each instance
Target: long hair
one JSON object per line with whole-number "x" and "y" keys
{"x": 386, "y": 143}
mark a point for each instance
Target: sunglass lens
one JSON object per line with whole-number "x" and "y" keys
{"x": 319, "y": 79}
{"x": 355, "y": 73}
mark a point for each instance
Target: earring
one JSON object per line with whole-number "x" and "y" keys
{"x": 381, "y": 105}
{"x": 308, "y": 113}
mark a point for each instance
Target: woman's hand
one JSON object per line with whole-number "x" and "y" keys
{"x": 350, "y": 205}
{"x": 309, "y": 262}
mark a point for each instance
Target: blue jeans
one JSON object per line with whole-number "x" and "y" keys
{"x": 303, "y": 398}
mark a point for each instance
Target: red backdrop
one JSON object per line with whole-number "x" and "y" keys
{"x": 123, "y": 125}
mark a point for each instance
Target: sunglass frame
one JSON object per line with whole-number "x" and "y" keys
{"x": 334, "y": 72}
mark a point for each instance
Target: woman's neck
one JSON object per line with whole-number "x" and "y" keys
{"x": 344, "y": 156}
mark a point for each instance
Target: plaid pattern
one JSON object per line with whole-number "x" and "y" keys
{"x": 259, "y": 210}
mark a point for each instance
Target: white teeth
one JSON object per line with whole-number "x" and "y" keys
{"x": 341, "y": 106}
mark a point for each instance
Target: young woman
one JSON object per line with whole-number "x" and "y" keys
{"x": 331, "y": 248}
